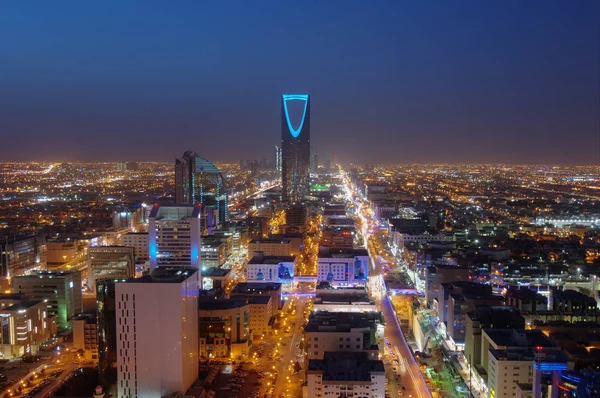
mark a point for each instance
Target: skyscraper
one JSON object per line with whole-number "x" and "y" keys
{"x": 295, "y": 150}
{"x": 198, "y": 180}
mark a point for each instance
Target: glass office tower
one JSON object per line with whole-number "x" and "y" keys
{"x": 295, "y": 150}
{"x": 198, "y": 180}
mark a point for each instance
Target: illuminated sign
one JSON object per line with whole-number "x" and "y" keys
{"x": 291, "y": 97}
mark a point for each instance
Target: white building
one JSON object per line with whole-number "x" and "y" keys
{"x": 345, "y": 374}
{"x": 270, "y": 268}
{"x": 174, "y": 236}
{"x": 343, "y": 267}
{"x": 506, "y": 369}
{"x": 343, "y": 332}
{"x": 157, "y": 333}
{"x": 139, "y": 242}
{"x": 110, "y": 262}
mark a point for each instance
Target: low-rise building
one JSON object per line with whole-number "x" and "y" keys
{"x": 263, "y": 268}
{"x": 270, "y": 247}
{"x": 338, "y": 237}
{"x": 224, "y": 328}
{"x": 345, "y": 374}
{"x": 85, "y": 335}
{"x": 343, "y": 331}
{"x": 343, "y": 267}
{"x": 61, "y": 290}
{"x": 24, "y": 327}
{"x": 250, "y": 289}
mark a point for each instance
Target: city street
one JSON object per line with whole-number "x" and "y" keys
{"x": 408, "y": 368}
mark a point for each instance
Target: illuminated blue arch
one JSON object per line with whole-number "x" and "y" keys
{"x": 289, "y": 97}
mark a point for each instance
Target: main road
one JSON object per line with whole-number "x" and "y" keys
{"x": 411, "y": 377}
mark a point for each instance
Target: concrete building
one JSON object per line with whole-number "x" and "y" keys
{"x": 251, "y": 289}
{"x": 270, "y": 247}
{"x": 61, "y": 290}
{"x": 345, "y": 374}
{"x": 343, "y": 267}
{"x": 224, "y": 328}
{"x": 110, "y": 262}
{"x": 334, "y": 302}
{"x": 139, "y": 242}
{"x": 484, "y": 316}
{"x": 60, "y": 252}
{"x": 572, "y": 302}
{"x": 438, "y": 274}
{"x": 261, "y": 308}
{"x": 85, "y": 335}
{"x": 157, "y": 333}
{"x": 526, "y": 300}
{"x": 270, "y": 268}
{"x": 338, "y": 237}
{"x": 343, "y": 332}
{"x": 24, "y": 327}
{"x": 296, "y": 215}
{"x": 458, "y": 307}
{"x": 174, "y": 234}
{"x": 213, "y": 253}
{"x": 215, "y": 279}
{"x": 507, "y": 369}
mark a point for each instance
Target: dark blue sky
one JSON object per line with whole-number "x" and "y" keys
{"x": 391, "y": 81}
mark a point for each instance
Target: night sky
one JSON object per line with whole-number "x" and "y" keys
{"x": 390, "y": 81}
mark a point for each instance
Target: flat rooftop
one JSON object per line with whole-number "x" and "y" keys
{"x": 212, "y": 304}
{"x": 280, "y": 241}
{"x": 215, "y": 272}
{"x": 22, "y": 305}
{"x": 252, "y": 287}
{"x": 346, "y": 366}
{"x": 165, "y": 275}
{"x": 259, "y": 259}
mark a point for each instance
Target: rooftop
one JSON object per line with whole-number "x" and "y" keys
{"x": 280, "y": 241}
{"x": 22, "y": 305}
{"x": 519, "y": 338}
{"x": 260, "y": 259}
{"x": 253, "y": 287}
{"x": 212, "y": 304}
{"x": 341, "y": 321}
{"x": 346, "y": 366}
{"x": 215, "y": 272}
{"x": 165, "y": 275}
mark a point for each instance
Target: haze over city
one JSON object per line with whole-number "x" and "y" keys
{"x": 390, "y": 82}
{"x": 309, "y": 199}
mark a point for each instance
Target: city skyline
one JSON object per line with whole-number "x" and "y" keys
{"x": 389, "y": 83}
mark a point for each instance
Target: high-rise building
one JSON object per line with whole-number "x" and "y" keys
{"x": 198, "y": 180}
{"x": 60, "y": 289}
{"x": 139, "y": 242}
{"x": 174, "y": 236}
{"x": 110, "y": 262}
{"x": 295, "y": 150}
{"x": 157, "y": 333}
{"x": 107, "y": 334}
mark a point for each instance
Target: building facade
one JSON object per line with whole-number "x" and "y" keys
{"x": 139, "y": 242}
{"x": 110, "y": 262}
{"x": 174, "y": 236}
{"x": 345, "y": 374}
{"x": 24, "y": 327}
{"x": 295, "y": 149}
{"x": 270, "y": 268}
{"x": 21, "y": 254}
{"x": 61, "y": 290}
{"x": 157, "y": 333}
{"x": 85, "y": 335}
{"x": 198, "y": 180}
{"x": 224, "y": 328}
{"x": 348, "y": 267}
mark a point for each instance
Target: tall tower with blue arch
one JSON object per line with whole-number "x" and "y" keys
{"x": 295, "y": 147}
